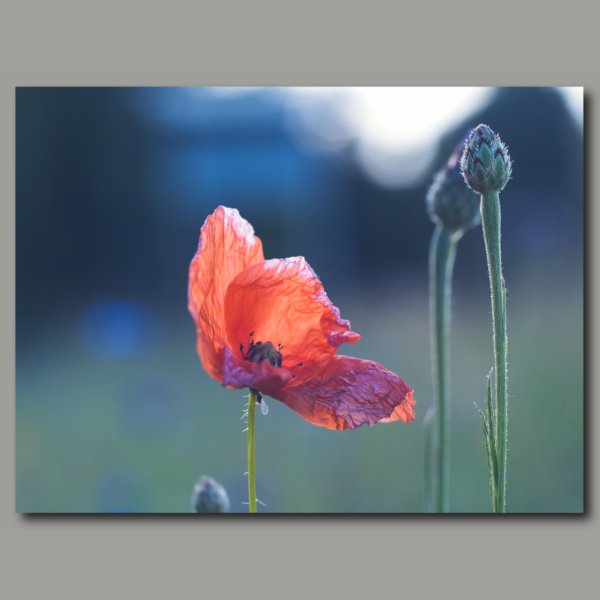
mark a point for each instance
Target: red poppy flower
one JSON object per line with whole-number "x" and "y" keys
{"x": 269, "y": 325}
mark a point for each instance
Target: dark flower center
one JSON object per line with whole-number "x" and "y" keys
{"x": 259, "y": 352}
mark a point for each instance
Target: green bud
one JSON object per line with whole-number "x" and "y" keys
{"x": 259, "y": 352}
{"x": 209, "y": 497}
{"x": 450, "y": 201}
{"x": 485, "y": 162}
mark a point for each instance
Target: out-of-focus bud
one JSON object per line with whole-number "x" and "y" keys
{"x": 450, "y": 201}
{"x": 209, "y": 497}
{"x": 485, "y": 162}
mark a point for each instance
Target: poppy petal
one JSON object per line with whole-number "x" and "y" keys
{"x": 227, "y": 246}
{"x": 283, "y": 301}
{"x": 349, "y": 393}
{"x": 403, "y": 412}
{"x": 266, "y": 378}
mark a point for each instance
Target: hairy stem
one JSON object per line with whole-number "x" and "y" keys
{"x": 441, "y": 263}
{"x": 490, "y": 218}
{"x": 251, "y": 460}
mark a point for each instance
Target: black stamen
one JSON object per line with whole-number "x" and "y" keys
{"x": 252, "y": 334}
{"x": 258, "y": 343}
{"x": 299, "y": 364}
{"x": 293, "y": 376}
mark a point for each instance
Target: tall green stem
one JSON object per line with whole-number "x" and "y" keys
{"x": 251, "y": 460}
{"x": 490, "y": 218}
{"x": 441, "y": 263}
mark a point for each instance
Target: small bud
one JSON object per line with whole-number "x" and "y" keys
{"x": 266, "y": 352}
{"x": 485, "y": 162}
{"x": 450, "y": 201}
{"x": 209, "y": 497}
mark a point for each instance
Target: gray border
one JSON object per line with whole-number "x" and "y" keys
{"x": 335, "y": 43}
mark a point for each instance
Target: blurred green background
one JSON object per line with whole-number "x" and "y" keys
{"x": 114, "y": 412}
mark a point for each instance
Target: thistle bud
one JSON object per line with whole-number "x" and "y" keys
{"x": 485, "y": 162}
{"x": 209, "y": 497}
{"x": 266, "y": 351}
{"x": 450, "y": 201}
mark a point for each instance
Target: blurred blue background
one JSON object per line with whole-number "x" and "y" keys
{"x": 114, "y": 412}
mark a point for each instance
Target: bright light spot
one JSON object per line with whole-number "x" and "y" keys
{"x": 396, "y": 130}
{"x": 401, "y": 119}
{"x": 573, "y": 97}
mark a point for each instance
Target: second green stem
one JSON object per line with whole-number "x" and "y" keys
{"x": 441, "y": 263}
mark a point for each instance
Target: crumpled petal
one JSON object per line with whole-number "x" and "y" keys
{"x": 349, "y": 393}
{"x": 282, "y": 301}
{"x": 227, "y": 246}
{"x": 403, "y": 412}
{"x": 264, "y": 377}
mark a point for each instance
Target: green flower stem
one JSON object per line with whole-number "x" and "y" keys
{"x": 490, "y": 218}
{"x": 251, "y": 460}
{"x": 441, "y": 263}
